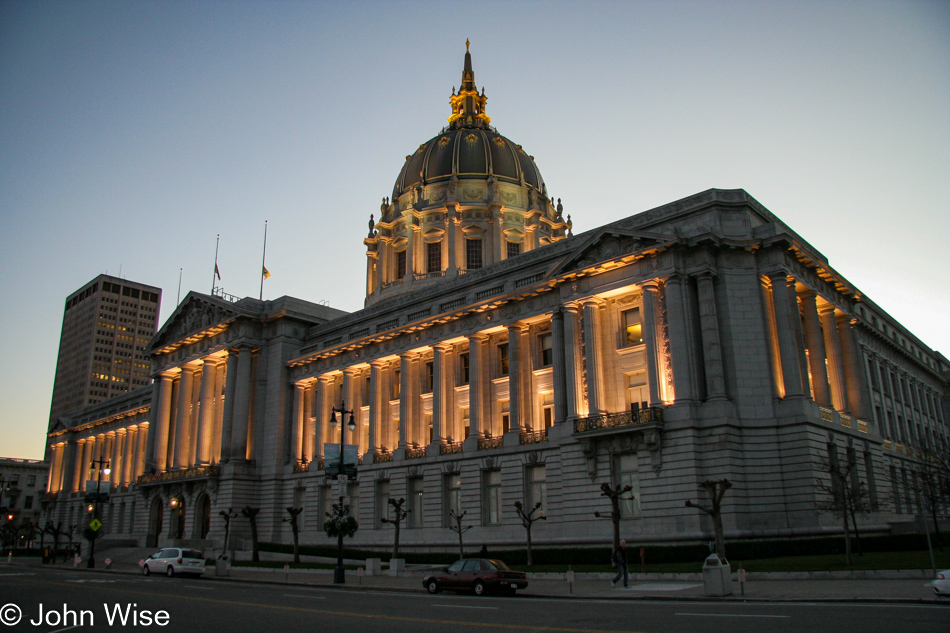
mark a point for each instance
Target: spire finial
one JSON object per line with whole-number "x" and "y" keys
{"x": 466, "y": 44}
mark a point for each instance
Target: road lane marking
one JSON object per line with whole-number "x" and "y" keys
{"x": 733, "y": 615}
{"x": 351, "y": 614}
{"x": 198, "y": 587}
{"x": 462, "y": 606}
{"x": 68, "y": 628}
{"x": 294, "y": 595}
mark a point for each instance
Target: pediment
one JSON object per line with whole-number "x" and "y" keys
{"x": 196, "y": 314}
{"x": 610, "y": 243}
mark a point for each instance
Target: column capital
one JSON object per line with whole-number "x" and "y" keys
{"x": 121, "y": 431}
{"x": 478, "y": 337}
{"x": 379, "y": 363}
{"x": 572, "y": 307}
{"x": 826, "y": 308}
{"x": 517, "y": 326}
{"x": 776, "y": 275}
{"x": 442, "y": 347}
{"x": 592, "y": 302}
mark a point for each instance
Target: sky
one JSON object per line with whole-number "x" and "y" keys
{"x": 133, "y": 133}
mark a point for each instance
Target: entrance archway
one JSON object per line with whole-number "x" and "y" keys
{"x": 178, "y": 519}
{"x": 203, "y": 517}
{"x": 156, "y": 517}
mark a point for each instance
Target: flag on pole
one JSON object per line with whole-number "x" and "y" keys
{"x": 217, "y": 272}
{"x": 266, "y": 272}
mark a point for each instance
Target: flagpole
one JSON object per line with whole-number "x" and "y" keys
{"x": 263, "y": 260}
{"x": 215, "y": 273}
{"x": 179, "y": 287}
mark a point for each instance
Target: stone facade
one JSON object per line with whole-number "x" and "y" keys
{"x": 703, "y": 339}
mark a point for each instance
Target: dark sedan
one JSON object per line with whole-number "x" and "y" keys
{"x": 476, "y": 574}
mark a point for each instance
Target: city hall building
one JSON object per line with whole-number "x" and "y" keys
{"x": 501, "y": 358}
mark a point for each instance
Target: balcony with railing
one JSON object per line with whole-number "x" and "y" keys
{"x": 488, "y": 443}
{"x": 450, "y": 448}
{"x": 533, "y": 437}
{"x": 416, "y": 452}
{"x": 636, "y": 418}
{"x": 382, "y": 456}
{"x": 177, "y": 475}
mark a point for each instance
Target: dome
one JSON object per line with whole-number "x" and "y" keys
{"x": 468, "y": 148}
{"x": 468, "y": 154}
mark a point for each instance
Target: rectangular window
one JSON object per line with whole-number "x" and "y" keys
{"x": 514, "y": 249}
{"x": 537, "y": 489}
{"x": 505, "y": 422}
{"x": 31, "y": 480}
{"x": 453, "y": 496}
{"x": 492, "y": 496}
{"x": 503, "y": 359}
{"x": 545, "y": 349}
{"x": 415, "y": 502}
{"x": 464, "y": 368}
{"x": 433, "y": 257}
{"x": 895, "y": 490}
{"x": 400, "y": 264}
{"x": 633, "y": 327}
{"x": 430, "y": 375}
{"x": 382, "y": 502}
{"x": 548, "y": 413}
{"x": 626, "y": 473}
{"x": 28, "y": 503}
{"x": 473, "y": 254}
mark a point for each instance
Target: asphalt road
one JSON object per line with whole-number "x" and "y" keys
{"x": 77, "y": 601}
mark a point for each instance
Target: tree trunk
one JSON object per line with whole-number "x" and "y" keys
{"x": 396, "y": 538}
{"x": 529, "y": 544}
{"x": 255, "y": 556}
{"x": 461, "y": 549}
{"x": 847, "y": 540}
{"x": 720, "y": 536}
{"x": 296, "y": 543}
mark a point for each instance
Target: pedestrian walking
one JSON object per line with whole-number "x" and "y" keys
{"x": 619, "y": 560}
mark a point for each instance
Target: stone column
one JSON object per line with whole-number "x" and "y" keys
{"x": 593, "y": 359}
{"x": 183, "y": 428}
{"x": 296, "y": 449}
{"x": 209, "y": 377}
{"x": 157, "y": 448}
{"x": 78, "y": 463}
{"x": 375, "y": 404}
{"x": 321, "y": 416}
{"x": 654, "y": 375}
{"x": 677, "y": 320}
{"x": 829, "y": 329}
{"x": 405, "y": 398}
{"x": 309, "y": 422}
{"x": 410, "y": 245}
{"x": 476, "y": 386}
{"x": 118, "y": 457}
{"x": 515, "y": 379}
{"x": 814, "y": 341}
{"x": 227, "y": 421}
{"x": 859, "y": 397}
{"x": 451, "y": 220}
{"x": 56, "y": 462}
{"x": 242, "y": 400}
{"x": 786, "y": 330}
{"x": 712, "y": 348}
{"x": 140, "y": 452}
{"x": 88, "y": 455}
{"x": 131, "y": 454}
{"x": 350, "y": 383}
{"x": 559, "y": 358}
{"x": 572, "y": 363}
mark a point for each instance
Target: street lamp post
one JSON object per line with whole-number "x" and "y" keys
{"x": 339, "y": 575}
{"x": 95, "y": 511}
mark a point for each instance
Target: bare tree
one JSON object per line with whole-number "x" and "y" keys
{"x": 527, "y": 519}
{"x": 251, "y": 515}
{"x": 56, "y": 529}
{"x": 458, "y": 529}
{"x": 227, "y": 516}
{"x": 717, "y": 490}
{"x": 933, "y": 482}
{"x": 844, "y": 495}
{"x": 615, "y": 494}
{"x": 295, "y": 528}
{"x": 398, "y": 515}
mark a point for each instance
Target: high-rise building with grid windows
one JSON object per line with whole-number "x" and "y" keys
{"x": 106, "y": 325}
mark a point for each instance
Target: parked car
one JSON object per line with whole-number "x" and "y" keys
{"x": 174, "y": 560}
{"x": 941, "y": 583}
{"x": 476, "y": 574}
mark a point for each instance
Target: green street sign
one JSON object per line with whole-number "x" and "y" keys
{"x": 95, "y": 524}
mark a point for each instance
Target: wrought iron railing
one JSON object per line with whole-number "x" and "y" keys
{"x": 487, "y": 443}
{"x": 533, "y": 437}
{"x": 612, "y": 420}
{"x": 450, "y": 448}
{"x": 416, "y": 453}
{"x": 202, "y": 471}
{"x": 301, "y": 467}
{"x": 827, "y": 414}
{"x": 862, "y": 426}
{"x": 382, "y": 456}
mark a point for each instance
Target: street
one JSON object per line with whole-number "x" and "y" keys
{"x": 52, "y": 600}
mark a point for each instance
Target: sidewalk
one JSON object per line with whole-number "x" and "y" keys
{"x": 775, "y": 588}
